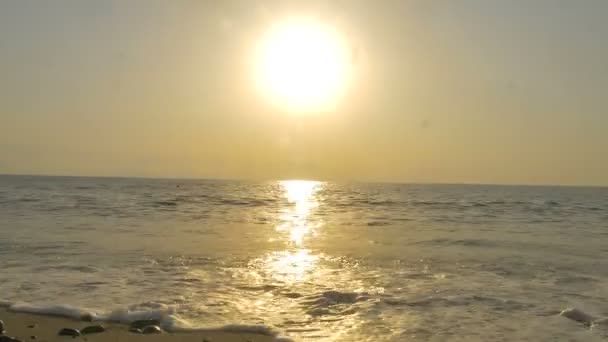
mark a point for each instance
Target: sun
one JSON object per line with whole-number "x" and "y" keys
{"x": 302, "y": 65}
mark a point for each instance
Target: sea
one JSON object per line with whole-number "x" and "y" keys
{"x": 309, "y": 260}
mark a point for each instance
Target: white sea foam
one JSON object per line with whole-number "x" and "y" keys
{"x": 168, "y": 320}
{"x": 61, "y": 310}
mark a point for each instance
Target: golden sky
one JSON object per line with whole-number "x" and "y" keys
{"x": 438, "y": 91}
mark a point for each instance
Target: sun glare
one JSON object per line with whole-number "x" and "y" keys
{"x": 295, "y": 219}
{"x": 302, "y": 65}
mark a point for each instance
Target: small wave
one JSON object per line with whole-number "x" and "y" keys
{"x": 377, "y": 223}
{"x": 383, "y": 202}
{"x": 28, "y": 199}
{"x": 577, "y": 315}
{"x": 93, "y": 283}
{"x": 460, "y": 242}
{"x": 541, "y": 205}
{"x": 262, "y": 288}
{"x": 334, "y": 297}
{"x": 300, "y": 330}
{"x": 17, "y": 201}
{"x": 188, "y": 281}
{"x": 237, "y": 328}
{"x": 84, "y": 269}
{"x": 244, "y": 202}
{"x": 165, "y": 203}
{"x": 575, "y": 279}
{"x": 292, "y": 295}
{"x": 449, "y": 301}
{"x": 430, "y": 203}
{"x": 333, "y": 303}
{"x": 440, "y": 204}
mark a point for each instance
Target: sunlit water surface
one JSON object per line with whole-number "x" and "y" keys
{"x": 327, "y": 261}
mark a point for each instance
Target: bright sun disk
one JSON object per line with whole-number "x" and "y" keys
{"x": 302, "y": 65}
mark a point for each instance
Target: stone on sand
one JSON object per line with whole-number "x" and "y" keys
{"x": 135, "y": 330}
{"x": 69, "y": 332}
{"x": 92, "y": 329}
{"x": 151, "y": 329}
{"x": 1, "y": 327}
{"x": 140, "y": 324}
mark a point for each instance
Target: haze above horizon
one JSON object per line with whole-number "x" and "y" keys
{"x": 485, "y": 92}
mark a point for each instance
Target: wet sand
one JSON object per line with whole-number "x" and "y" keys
{"x": 25, "y": 326}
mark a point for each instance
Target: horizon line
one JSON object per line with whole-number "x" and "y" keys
{"x": 309, "y": 179}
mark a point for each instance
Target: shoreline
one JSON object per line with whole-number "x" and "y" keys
{"x": 45, "y": 328}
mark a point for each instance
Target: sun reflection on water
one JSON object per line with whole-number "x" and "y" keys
{"x": 295, "y": 219}
{"x": 291, "y": 266}
{"x": 296, "y": 225}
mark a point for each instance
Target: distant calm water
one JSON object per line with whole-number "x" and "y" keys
{"x": 337, "y": 262}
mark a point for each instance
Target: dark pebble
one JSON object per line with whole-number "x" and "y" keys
{"x": 144, "y": 323}
{"x": 32, "y": 337}
{"x": 4, "y": 338}
{"x": 135, "y": 330}
{"x": 69, "y": 332}
{"x": 151, "y": 329}
{"x": 32, "y": 325}
{"x": 92, "y": 329}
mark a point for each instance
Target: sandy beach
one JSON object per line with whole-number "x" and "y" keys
{"x": 30, "y": 327}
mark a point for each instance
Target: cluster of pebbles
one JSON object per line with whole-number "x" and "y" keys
{"x": 147, "y": 326}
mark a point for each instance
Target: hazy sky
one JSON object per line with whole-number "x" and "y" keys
{"x": 484, "y": 91}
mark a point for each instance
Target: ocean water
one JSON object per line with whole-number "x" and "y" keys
{"x": 310, "y": 260}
